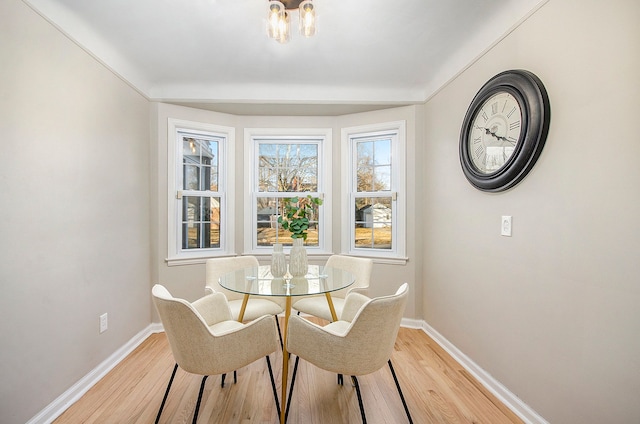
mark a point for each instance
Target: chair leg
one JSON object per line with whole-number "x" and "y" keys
{"x": 404, "y": 403}
{"x": 355, "y": 383}
{"x": 340, "y": 379}
{"x": 224, "y": 376}
{"x": 166, "y": 393}
{"x": 279, "y": 332}
{"x": 273, "y": 386}
{"x": 195, "y": 414}
{"x": 293, "y": 381}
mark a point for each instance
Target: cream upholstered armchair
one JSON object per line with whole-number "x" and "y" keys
{"x": 359, "y": 343}
{"x": 206, "y": 340}
{"x": 317, "y": 305}
{"x": 256, "y": 306}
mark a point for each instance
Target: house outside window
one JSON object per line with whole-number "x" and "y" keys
{"x": 286, "y": 163}
{"x": 200, "y": 225}
{"x": 374, "y": 161}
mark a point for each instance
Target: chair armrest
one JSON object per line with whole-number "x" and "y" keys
{"x": 361, "y": 290}
{"x": 306, "y": 339}
{"x": 352, "y": 304}
{"x": 249, "y": 342}
{"x": 318, "y": 345}
{"x": 208, "y": 290}
{"x": 213, "y": 308}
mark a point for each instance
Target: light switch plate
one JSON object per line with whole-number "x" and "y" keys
{"x": 103, "y": 323}
{"x": 505, "y": 228}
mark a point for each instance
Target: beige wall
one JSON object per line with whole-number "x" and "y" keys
{"x": 552, "y": 312}
{"x": 74, "y": 232}
{"x": 188, "y": 280}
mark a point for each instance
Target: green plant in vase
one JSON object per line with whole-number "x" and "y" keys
{"x": 295, "y": 217}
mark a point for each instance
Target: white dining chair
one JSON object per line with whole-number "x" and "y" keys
{"x": 206, "y": 340}
{"x": 359, "y": 343}
{"x": 361, "y": 269}
{"x": 256, "y": 306}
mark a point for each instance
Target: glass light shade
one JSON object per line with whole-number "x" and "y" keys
{"x": 275, "y": 16}
{"x": 284, "y": 29}
{"x": 307, "y": 18}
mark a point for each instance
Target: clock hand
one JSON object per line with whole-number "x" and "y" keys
{"x": 488, "y": 131}
{"x": 503, "y": 138}
{"x": 497, "y": 136}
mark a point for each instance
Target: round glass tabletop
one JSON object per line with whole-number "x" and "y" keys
{"x": 259, "y": 281}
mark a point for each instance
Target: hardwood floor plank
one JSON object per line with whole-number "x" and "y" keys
{"x": 437, "y": 390}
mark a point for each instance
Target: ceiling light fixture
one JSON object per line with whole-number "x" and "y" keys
{"x": 278, "y": 20}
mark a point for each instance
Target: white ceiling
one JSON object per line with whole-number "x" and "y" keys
{"x": 215, "y": 54}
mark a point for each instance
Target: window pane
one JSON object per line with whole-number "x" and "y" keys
{"x": 191, "y": 180}
{"x": 200, "y": 159}
{"x": 214, "y": 218}
{"x": 213, "y": 180}
{"x": 365, "y": 152}
{"x": 373, "y": 221}
{"x": 209, "y": 160}
{"x": 382, "y": 178}
{"x": 270, "y": 232}
{"x": 382, "y": 155}
{"x": 373, "y": 166}
{"x": 382, "y": 238}
{"x": 267, "y": 220}
{"x": 287, "y": 167}
{"x": 201, "y": 222}
{"x": 267, "y": 180}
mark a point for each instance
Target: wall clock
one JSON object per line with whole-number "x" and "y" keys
{"x": 504, "y": 130}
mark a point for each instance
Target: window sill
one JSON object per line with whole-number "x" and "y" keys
{"x": 191, "y": 261}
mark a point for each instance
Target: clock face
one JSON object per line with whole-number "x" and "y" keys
{"x": 495, "y": 132}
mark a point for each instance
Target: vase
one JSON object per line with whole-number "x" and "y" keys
{"x": 299, "y": 285}
{"x": 278, "y": 261}
{"x": 298, "y": 265}
{"x": 279, "y": 286}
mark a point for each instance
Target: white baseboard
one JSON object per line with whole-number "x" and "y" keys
{"x": 510, "y": 400}
{"x": 75, "y": 392}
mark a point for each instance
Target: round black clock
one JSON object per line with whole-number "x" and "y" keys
{"x": 504, "y": 130}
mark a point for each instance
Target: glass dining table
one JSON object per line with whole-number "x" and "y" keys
{"x": 258, "y": 281}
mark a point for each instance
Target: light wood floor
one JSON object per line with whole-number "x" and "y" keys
{"x": 437, "y": 390}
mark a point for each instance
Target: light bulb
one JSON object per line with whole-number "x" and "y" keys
{"x": 274, "y": 17}
{"x": 284, "y": 33}
{"x": 307, "y": 18}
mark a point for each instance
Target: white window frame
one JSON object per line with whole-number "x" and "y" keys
{"x": 251, "y": 138}
{"x": 176, "y": 255}
{"x": 350, "y": 135}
